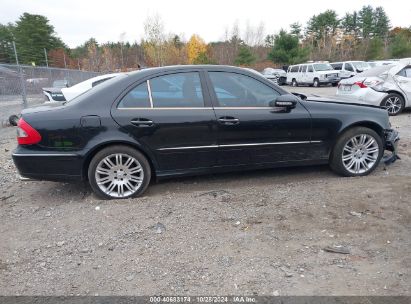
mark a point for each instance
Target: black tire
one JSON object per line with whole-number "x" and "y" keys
{"x": 389, "y": 100}
{"x": 125, "y": 150}
{"x": 336, "y": 157}
{"x": 334, "y": 84}
{"x": 294, "y": 83}
{"x": 13, "y": 120}
{"x": 316, "y": 83}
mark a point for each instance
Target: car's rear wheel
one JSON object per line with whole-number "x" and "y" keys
{"x": 393, "y": 103}
{"x": 357, "y": 152}
{"x": 294, "y": 83}
{"x": 316, "y": 83}
{"x": 334, "y": 84}
{"x": 119, "y": 172}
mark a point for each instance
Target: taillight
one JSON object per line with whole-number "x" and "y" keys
{"x": 26, "y": 134}
{"x": 360, "y": 84}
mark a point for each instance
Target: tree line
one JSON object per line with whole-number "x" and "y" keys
{"x": 365, "y": 34}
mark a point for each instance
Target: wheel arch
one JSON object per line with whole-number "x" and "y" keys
{"x": 396, "y": 92}
{"x": 89, "y": 156}
{"x": 366, "y": 123}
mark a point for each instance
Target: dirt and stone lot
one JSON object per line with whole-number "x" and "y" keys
{"x": 261, "y": 232}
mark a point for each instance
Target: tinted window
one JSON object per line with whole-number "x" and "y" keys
{"x": 304, "y": 69}
{"x": 310, "y": 69}
{"x": 136, "y": 98}
{"x": 406, "y": 72}
{"x": 349, "y": 67}
{"x": 177, "y": 90}
{"x": 294, "y": 69}
{"x": 237, "y": 90}
{"x": 337, "y": 66}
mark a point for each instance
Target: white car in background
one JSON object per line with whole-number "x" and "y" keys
{"x": 347, "y": 69}
{"x": 312, "y": 74}
{"x": 66, "y": 94}
{"x": 388, "y": 86}
{"x": 278, "y": 76}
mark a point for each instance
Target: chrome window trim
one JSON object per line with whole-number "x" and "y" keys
{"x": 242, "y": 145}
{"x": 180, "y": 108}
{"x": 149, "y": 94}
{"x": 205, "y": 108}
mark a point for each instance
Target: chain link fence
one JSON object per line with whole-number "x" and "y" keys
{"x": 21, "y": 85}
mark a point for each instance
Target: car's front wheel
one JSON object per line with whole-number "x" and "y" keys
{"x": 357, "y": 152}
{"x": 119, "y": 172}
{"x": 316, "y": 83}
{"x": 393, "y": 103}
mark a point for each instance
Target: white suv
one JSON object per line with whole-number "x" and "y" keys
{"x": 312, "y": 74}
{"x": 347, "y": 69}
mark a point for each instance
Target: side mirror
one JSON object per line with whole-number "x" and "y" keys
{"x": 287, "y": 101}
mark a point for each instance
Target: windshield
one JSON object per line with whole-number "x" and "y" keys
{"x": 360, "y": 65}
{"x": 322, "y": 67}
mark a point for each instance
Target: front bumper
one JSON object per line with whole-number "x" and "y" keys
{"x": 330, "y": 80}
{"x": 392, "y": 138}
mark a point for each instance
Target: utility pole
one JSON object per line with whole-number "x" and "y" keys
{"x": 45, "y": 56}
{"x": 64, "y": 58}
{"x": 23, "y": 85}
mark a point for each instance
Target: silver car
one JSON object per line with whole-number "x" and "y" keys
{"x": 388, "y": 86}
{"x": 278, "y": 76}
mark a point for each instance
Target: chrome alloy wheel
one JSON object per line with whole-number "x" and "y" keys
{"x": 360, "y": 153}
{"x": 393, "y": 104}
{"x": 119, "y": 175}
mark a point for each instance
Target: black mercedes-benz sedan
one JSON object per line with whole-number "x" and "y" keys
{"x": 183, "y": 120}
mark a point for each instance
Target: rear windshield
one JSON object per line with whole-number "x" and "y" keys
{"x": 101, "y": 86}
{"x": 377, "y": 71}
{"x": 322, "y": 67}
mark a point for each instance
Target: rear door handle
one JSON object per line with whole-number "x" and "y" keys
{"x": 228, "y": 120}
{"x": 142, "y": 122}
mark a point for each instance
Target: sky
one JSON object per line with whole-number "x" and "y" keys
{"x": 76, "y": 21}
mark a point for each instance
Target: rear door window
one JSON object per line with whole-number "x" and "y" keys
{"x": 177, "y": 90}
{"x": 136, "y": 98}
{"x": 294, "y": 69}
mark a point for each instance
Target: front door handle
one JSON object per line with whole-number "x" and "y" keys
{"x": 228, "y": 120}
{"x": 142, "y": 122}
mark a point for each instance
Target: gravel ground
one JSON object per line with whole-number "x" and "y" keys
{"x": 261, "y": 232}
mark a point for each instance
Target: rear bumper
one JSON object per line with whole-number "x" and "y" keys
{"x": 391, "y": 141}
{"x": 366, "y": 96}
{"x": 53, "y": 166}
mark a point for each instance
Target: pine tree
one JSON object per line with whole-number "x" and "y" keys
{"x": 33, "y": 34}
{"x": 244, "y": 56}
